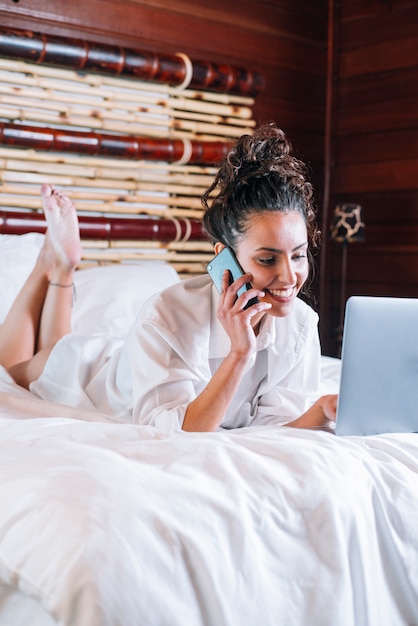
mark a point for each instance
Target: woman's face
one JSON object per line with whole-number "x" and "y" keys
{"x": 274, "y": 250}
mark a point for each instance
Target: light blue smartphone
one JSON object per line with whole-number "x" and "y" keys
{"x": 226, "y": 260}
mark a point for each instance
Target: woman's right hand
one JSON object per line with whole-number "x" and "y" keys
{"x": 322, "y": 414}
{"x": 207, "y": 411}
{"x": 238, "y": 321}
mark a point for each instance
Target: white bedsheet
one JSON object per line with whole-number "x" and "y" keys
{"x": 116, "y": 525}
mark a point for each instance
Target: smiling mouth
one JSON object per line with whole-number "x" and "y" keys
{"x": 283, "y": 294}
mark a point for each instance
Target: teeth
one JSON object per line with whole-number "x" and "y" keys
{"x": 281, "y": 293}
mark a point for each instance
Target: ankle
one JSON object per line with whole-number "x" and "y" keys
{"x": 65, "y": 285}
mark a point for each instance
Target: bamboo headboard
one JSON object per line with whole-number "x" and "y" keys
{"x": 133, "y": 138}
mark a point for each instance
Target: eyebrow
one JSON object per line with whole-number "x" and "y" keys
{"x": 278, "y": 251}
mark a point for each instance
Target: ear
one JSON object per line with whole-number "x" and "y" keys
{"x": 218, "y": 247}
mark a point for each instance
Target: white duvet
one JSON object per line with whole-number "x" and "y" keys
{"x": 107, "y": 524}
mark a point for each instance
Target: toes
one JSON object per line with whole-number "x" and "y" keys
{"x": 55, "y": 201}
{"x": 47, "y": 189}
{"x": 63, "y": 200}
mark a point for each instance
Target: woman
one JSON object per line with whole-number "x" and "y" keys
{"x": 198, "y": 360}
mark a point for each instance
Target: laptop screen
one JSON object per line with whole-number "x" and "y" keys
{"x": 379, "y": 372}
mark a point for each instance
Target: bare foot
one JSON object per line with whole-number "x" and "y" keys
{"x": 63, "y": 235}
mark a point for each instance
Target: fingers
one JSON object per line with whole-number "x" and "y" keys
{"x": 329, "y": 406}
{"x": 239, "y": 301}
{"x": 226, "y": 281}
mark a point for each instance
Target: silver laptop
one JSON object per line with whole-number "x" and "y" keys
{"x": 379, "y": 373}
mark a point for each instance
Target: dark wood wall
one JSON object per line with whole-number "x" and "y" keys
{"x": 375, "y": 149}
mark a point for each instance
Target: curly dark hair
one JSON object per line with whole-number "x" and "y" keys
{"x": 259, "y": 174}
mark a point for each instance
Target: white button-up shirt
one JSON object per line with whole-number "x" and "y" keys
{"x": 177, "y": 343}
{"x": 170, "y": 354}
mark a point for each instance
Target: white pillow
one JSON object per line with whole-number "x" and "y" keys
{"x": 108, "y": 297}
{"x": 18, "y": 254}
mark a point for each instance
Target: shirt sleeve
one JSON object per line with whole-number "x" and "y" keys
{"x": 166, "y": 375}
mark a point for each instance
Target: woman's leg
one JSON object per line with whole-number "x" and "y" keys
{"x": 41, "y": 313}
{"x": 64, "y": 247}
{"x": 19, "y": 331}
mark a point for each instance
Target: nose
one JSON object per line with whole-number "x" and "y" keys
{"x": 285, "y": 272}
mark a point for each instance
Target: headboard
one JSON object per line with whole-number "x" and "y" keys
{"x": 133, "y": 138}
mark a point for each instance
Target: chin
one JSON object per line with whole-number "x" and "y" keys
{"x": 281, "y": 309}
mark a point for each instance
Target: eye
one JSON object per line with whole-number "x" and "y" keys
{"x": 299, "y": 256}
{"x": 267, "y": 261}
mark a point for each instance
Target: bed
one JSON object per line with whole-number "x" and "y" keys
{"x": 107, "y": 524}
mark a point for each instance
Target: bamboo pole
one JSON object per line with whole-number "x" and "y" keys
{"x": 129, "y": 101}
{"x": 9, "y": 192}
{"x": 74, "y": 181}
{"x": 29, "y": 154}
{"x": 134, "y": 148}
{"x": 167, "y": 256}
{"x": 157, "y": 183}
{"x": 191, "y": 181}
{"x": 113, "y": 60}
{"x": 173, "y": 246}
{"x": 104, "y": 201}
{"x": 108, "y": 228}
{"x": 110, "y": 208}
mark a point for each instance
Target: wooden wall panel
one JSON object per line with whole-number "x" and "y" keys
{"x": 375, "y": 149}
{"x": 283, "y": 39}
{"x": 388, "y": 146}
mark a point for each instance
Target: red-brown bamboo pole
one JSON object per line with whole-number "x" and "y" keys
{"x": 99, "y": 58}
{"x": 108, "y": 228}
{"x": 152, "y": 149}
